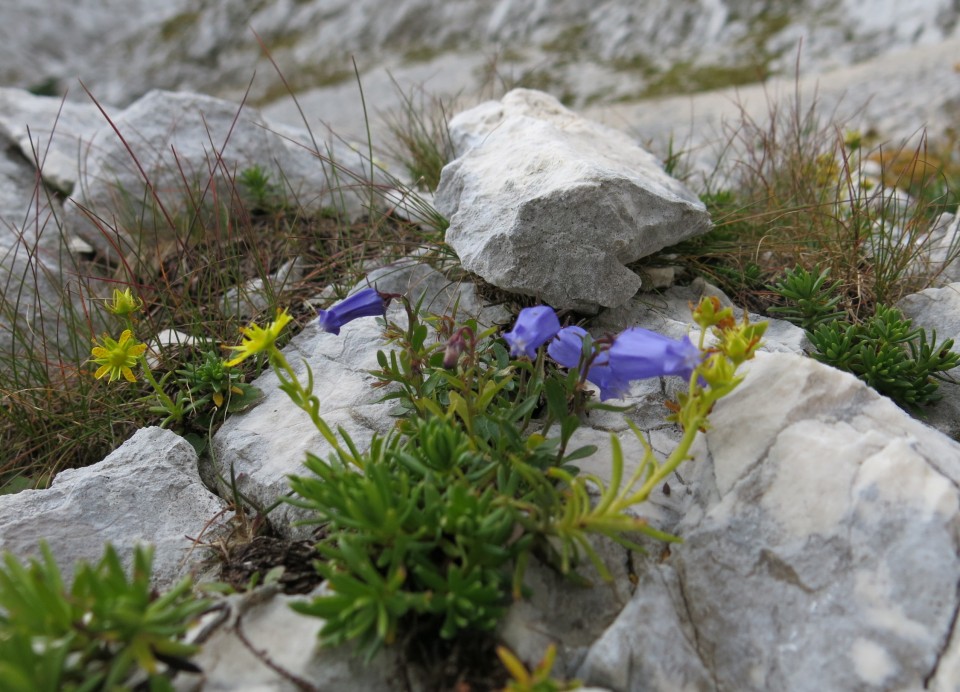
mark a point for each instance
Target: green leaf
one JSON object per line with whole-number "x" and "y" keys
{"x": 556, "y": 399}
{"x": 580, "y": 453}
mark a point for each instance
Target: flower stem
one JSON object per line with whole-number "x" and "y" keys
{"x": 679, "y": 454}
{"x": 175, "y": 411}
{"x": 305, "y": 399}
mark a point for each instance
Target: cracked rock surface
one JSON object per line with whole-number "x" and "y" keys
{"x": 824, "y": 551}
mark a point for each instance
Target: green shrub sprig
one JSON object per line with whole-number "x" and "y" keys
{"x": 97, "y": 635}
{"x": 810, "y": 301}
{"x": 889, "y": 354}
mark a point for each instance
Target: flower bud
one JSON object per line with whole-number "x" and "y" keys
{"x": 455, "y": 346}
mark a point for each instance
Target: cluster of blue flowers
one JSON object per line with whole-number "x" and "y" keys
{"x": 634, "y": 354}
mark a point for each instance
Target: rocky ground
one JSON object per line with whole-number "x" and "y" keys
{"x": 820, "y": 520}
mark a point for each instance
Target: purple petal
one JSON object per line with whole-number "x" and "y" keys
{"x": 567, "y": 350}
{"x": 602, "y": 375}
{"x": 533, "y": 328}
{"x": 567, "y": 346}
{"x": 364, "y": 303}
{"x": 638, "y": 354}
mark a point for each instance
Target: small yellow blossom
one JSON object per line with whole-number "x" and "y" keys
{"x": 116, "y": 358}
{"x": 256, "y": 339}
{"x": 123, "y": 303}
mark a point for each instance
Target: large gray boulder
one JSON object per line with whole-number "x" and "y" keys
{"x": 148, "y": 491}
{"x": 545, "y": 203}
{"x": 820, "y": 551}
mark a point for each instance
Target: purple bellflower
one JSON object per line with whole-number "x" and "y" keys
{"x": 638, "y": 354}
{"x": 567, "y": 348}
{"x": 367, "y": 302}
{"x": 534, "y": 327}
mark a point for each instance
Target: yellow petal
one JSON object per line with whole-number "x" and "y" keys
{"x": 101, "y": 371}
{"x": 218, "y": 398}
{"x": 128, "y": 374}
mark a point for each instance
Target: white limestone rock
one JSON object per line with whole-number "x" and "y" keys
{"x": 820, "y": 549}
{"x": 826, "y": 552}
{"x": 148, "y": 491}
{"x": 545, "y": 203}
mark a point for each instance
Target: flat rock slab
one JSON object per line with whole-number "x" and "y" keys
{"x": 147, "y": 491}
{"x": 545, "y": 203}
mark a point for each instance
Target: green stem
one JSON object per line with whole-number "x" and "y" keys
{"x": 305, "y": 399}
{"x": 174, "y": 410}
{"x": 679, "y": 454}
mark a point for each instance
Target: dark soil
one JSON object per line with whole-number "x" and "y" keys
{"x": 264, "y": 553}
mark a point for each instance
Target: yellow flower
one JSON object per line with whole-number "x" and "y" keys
{"x": 123, "y": 303}
{"x": 116, "y": 358}
{"x": 256, "y": 339}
